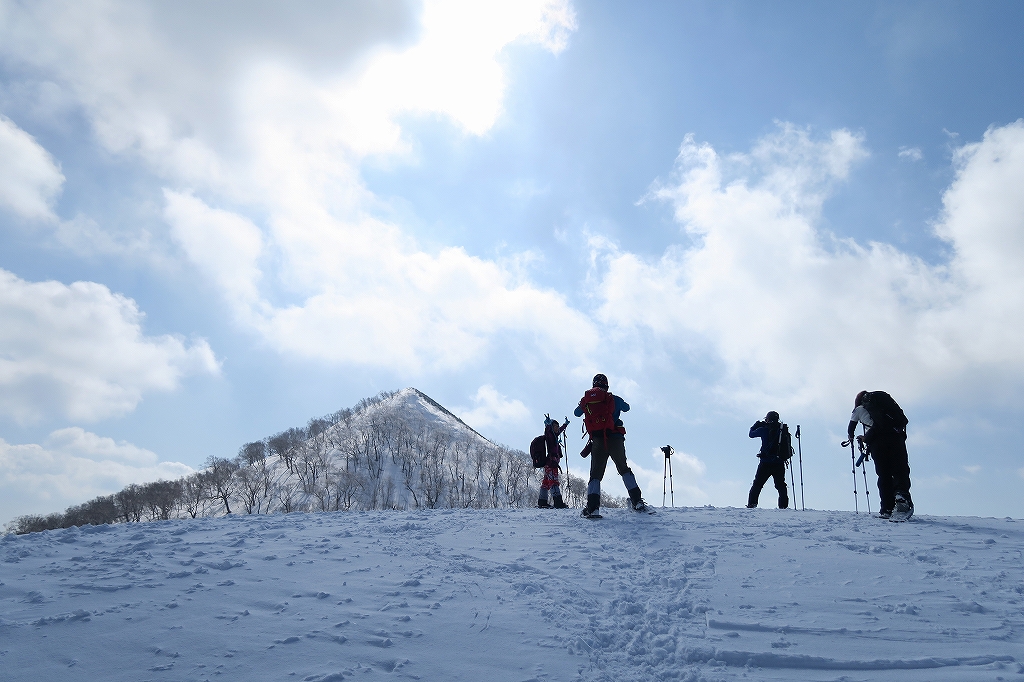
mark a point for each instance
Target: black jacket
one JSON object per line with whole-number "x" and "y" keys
{"x": 768, "y": 432}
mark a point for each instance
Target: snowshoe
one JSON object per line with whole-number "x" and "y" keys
{"x": 904, "y": 509}
{"x": 641, "y": 506}
{"x": 543, "y": 504}
{"x": 590, "y": 514}
{"x": 885, "y": 514}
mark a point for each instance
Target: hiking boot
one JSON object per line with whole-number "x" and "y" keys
{"x": 885, "y": 514}
{"x": 751, "y": 506}
{"x": 639, "y": 506}
{"x": 559, "y": 503}
{"x": 543, "y": 504}
{"x": 589, "y": 513}
{"x": 904, "y": 507}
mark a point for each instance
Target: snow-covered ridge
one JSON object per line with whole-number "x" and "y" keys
{"x": 441, "y": 411}
{"x": 416, "y": 406}
{"x": 513, "y": 595}
{"x": 400, "y": 450}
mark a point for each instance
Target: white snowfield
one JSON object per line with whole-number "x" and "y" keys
{"x": 495, "y": 595}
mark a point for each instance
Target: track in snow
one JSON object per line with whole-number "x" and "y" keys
{"x": 690, "y": 594}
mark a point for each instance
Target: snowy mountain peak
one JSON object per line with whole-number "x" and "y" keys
{"x": 415, "y": 405}
{"x": 395, "y": 450}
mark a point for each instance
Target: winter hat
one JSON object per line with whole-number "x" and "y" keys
{"x": 601, "y": 380}
{"x": 772, "y": 416}
{"x": 859, "y": 400}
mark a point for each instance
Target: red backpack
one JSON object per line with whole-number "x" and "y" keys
{"x": 599, "y": 411}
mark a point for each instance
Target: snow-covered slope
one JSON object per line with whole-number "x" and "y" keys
{"x": 397, "y": 450}
{"x": 416, "y": 407}
{"x": 400, "y": 450}
{"x": 688, "y": 594}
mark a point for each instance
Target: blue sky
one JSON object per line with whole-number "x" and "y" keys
{"x": 216, "y": 224}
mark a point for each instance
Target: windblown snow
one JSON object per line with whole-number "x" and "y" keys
{"x": 517, "y": 595}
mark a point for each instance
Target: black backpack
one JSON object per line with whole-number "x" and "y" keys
{"x": 539, "y": 452}
{"x": 885, "y": 413}
{"x": 785, "y": 451}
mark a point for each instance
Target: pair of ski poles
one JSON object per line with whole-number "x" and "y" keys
{"x": 859, "y": 462}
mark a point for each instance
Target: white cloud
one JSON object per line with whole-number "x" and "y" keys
{"x": 973, "y": 469}
{"x": 361, "y": 290}
{"x": 256, "y": 133}
{"x": 29, "y": 177}
{"x": 78, "y": 350}
{"x": 453, "y": 70}
{"x": 798, "y": 317}
{"x": 491, "y": 408}
{"x": 911, "y": 153}
{"x": 224, "y": 245}
{"x": 70, "y": 467}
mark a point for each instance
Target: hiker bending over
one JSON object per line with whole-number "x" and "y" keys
{"x": 552, "y": 431}
{"x": 773, "y": 462}
{"x": 600, "y": 410}
{"x": 885, "y": 428}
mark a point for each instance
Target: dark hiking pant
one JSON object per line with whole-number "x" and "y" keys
{"x": 893, "y": 469}
{"x": 601, "y": 450}
{"x": 766, "y": 470}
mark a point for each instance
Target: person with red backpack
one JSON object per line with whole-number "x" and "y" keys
{"x": 600, "y": 410}
{"x": 552, "y": 466}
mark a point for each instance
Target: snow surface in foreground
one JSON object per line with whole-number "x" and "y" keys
{"x": 689, "y": 594}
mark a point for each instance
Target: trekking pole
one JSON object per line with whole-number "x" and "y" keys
{"x": 863, "y": 462}
{"x": 667, "y": 472}
{"x": 565, "y": 450}
{"x": 800, "y": 454}
{"x": 867, "y": 491}
{"x": 853, "y": 461}
{"x": 792, "y": 480}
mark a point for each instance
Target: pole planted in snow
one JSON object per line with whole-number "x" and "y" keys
{"x": 864, "y": 467}
{"x": 565, "y": 451}
{"x": 800, "y": 454}
{"x": 853, "y": 461}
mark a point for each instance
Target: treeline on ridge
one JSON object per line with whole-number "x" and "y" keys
{"x": 372, "y": 456}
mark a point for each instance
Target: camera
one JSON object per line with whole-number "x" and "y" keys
{"x": 668, "y": 451}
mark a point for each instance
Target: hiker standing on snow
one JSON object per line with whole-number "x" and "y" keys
{"x": 600, "y": 411}
{"x": 552, "y": 431}
{"x": 772, "y": 464}
{"x": 885, "y": 435}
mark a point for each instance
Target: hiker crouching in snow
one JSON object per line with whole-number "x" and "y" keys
{"x": 552, "y": 431}
{"x": 600, "y": 411}
{"x": 772, "y": 464}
